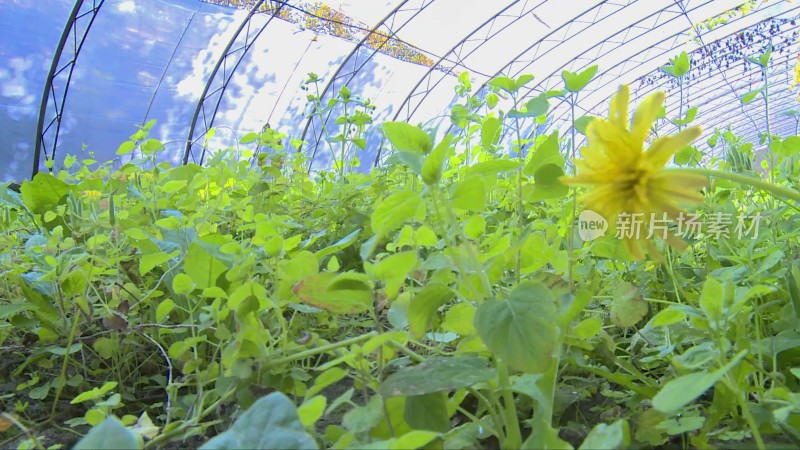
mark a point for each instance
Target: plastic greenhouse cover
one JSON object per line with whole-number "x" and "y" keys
{"x": 150, "y": 59}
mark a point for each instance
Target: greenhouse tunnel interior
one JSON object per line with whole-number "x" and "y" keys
{"x": 151, "y": 59}
{"x": 399, "y": 224}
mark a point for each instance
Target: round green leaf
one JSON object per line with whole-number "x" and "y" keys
{"x": 393, "y": 211}
{"x": 521, "y": 329}
{"x": 437, "y": 375}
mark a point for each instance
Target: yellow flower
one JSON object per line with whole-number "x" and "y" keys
{"x": 92, "y": 194}
{"x": 624, "y": 178}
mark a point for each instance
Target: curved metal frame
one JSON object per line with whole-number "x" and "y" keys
{"x": 239, "y": 53}
{"x": 456, "y": 51}
{"x": 457, "y": 48}
{"x": 706, "y": 88}
{"x": 59, "y": 71}
{"x": 353, "y": 55}
{"x": 560, "y": 118}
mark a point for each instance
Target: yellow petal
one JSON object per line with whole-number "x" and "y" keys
{"x": 663, "y": 148}
{"x": 618, "y": 112}
{"x": 645, "y": 115}
{"x": 615, "y": 141}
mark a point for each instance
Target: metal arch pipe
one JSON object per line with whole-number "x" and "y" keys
{"x": 339, "y": 70}
{"x": 444, "y": 57}
{"x": 656, "y": 14}
{"x": 552, "y": 74}
{"x": 713, "y": 87}
{"x": 356, "y": 48}
{"x": 461, "y": 42}
{"x": 559, "y": 118}
{"x": 230, "y": 74}
{"x": 211, "y": 77}
{"x": 656, "y": 86}
{"x": 728, "y": 109}
{"x": 664, "y": 53}
{"x": 539, "y": 41}
{"x": 53, "y": 73}
{"x": 717, "y": 87}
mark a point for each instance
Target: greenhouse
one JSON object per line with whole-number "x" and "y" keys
{"x": 399, "y": 224}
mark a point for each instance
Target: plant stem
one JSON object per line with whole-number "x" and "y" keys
{"x": 62, "y": 377}
{"x": 520, "y": 205}
{"x": 571, "y": 227}
{"x": 513, "y": 436}
{"x": 775, "y": 190}
{"x": 323, "y": 349}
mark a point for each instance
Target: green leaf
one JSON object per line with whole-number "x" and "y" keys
{"x": 691, "y": 113}
{"x": 126, "y": 147}
{"x": 750, "y": 96}
{"x": 94, "y": 393}
{"x": 395, "y": 210}
{"x": 668, "y": 317}
{"x": 163, "y": 310}
{"x": 326, "y": 379}
{"x": 522, "y": 328}
{"x": 534, "y": 107}
{"x": 110, "y": 434}
{"x": 616, "y": 435}
{"x": 547, "y": 184}
{"x": 582, "y": 122}
{"x": 460, "y": 319}
{"x": 412, "y": 440}
{"x": 171, "y": 187}
{"x": 711, "y": 300}
{"x": 204, "y": 269}
{"x": 678, "y": 66}
{"x": 339, "y": 245}
{"x": 271, "y": 422}
{"x": 432, "y": 167}
{"x": 411, "y": 160}
{"x": 790, "y": 146}
{"x": 470, "y": 194}
{"x": 685, "y": 155}
{"x": 437, "y": 375}
{"x": 762, "y": 59}
{"x": 683, "y": 390}
{"x": 248, "y": 138}
{"x": 11, "y": 309}
{"x": 475, "y": 227}
{"x": 311, "y": 410}
{"x": 425, "y": 304}
{"x": 588, "y": 328}
{"x": 574, "y": 82}
{"x": 490, "y": 131}
{"x": 407, "y": 137}
{"x": 427, "y": 412}
{"x": 491, "y": 100}
{"x": 346, "y": 293}
{"x": 493, "y": 167}
{"x": 151, "y": 146}
{"x": 43, "y": 192}
{"x": 628, "y": 308}
{"x": 523, "y": 80}
{"x": 792, "y": 283}
{"x": 182, "y": 284}
{"x": 547, "y": 152}
{"x": 364, "y": 418}
{"x": 503, "y": 82}
{"x": 150, "y": 261}
{"x": 394, "y": 269}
